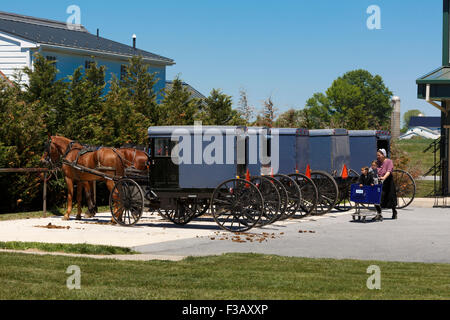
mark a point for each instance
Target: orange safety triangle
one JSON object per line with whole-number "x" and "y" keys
{"x": 247, "y": 178}
{"x": 308, "y": 171}
{"x": 344, "y": 172}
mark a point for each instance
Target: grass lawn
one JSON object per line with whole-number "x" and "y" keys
{"x": 415, "y": 148}
{"x": 67, "y": 248}
{"x": 230, "y": 276}
{"x": 424, "y": 188}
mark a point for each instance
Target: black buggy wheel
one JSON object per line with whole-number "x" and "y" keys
{"x": 284, "y": 198}
{"x": 294, "y": 195}
{"x": 185, "y": 211}
{"x": 309, "y": 192}
{"x": 237, "y": 205}
{"x": 272, "y": 199}
{"x": 126, "y": 202}
{"x": 202, "y": 207}
{"x": 405, "y": 187}
{"x": 328, "y": 192}
{"x": 345, "y": 185}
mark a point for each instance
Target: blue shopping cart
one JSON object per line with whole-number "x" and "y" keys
{"x": 363, "y": 197}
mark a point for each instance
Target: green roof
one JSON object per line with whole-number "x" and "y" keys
{"x": 438, "y": 76}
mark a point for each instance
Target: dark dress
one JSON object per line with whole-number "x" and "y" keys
{"x": 389, "y": 194}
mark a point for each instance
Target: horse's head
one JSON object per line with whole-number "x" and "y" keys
{"x": 52, "y": 153}
{"x": 47, "y": 158}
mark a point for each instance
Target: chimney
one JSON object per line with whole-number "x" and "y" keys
{"x": 395, "y": 118}
{"x": 134, "y": 41}
{"x": 98, "y": 32}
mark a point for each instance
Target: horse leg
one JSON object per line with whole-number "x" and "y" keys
{"x": 79, "y": 199}
{"x": 117, "y": 213}
{"x": 89, "y": 197}
{"x": 93, "y": 199}
{"x": 69, "y": 183}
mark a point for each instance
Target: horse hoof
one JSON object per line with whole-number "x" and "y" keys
{"x": 78, "y": 218}
{"x": 66, "y": 218}
{"x": 89, "y": 216}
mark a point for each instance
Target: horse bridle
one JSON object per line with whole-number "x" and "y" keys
{"x": 48, "y": 157}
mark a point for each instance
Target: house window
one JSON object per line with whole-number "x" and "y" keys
{"x": 123, "y": 72}
{"x": 51, "y": 59}
{"x": 88, "y": 64}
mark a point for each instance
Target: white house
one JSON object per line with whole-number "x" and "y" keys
{"x": 420, "y": 132}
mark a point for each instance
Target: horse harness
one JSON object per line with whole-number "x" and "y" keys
{"x": 82, "y": 151}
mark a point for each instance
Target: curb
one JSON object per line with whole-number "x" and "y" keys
{"x": 132, "y": 257}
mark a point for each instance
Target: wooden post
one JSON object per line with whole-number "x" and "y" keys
{"x": 45, "y": 195}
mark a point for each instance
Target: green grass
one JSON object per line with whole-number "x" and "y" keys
{"x": 230, "y": 276}
{"x": 67, "y": 248}
{"x": 424, "y": 188}
{"x": 415, "y": 148}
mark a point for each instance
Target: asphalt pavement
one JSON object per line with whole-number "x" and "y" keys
{"x": 418, "y": 235}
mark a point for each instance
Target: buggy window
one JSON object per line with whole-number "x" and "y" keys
{"x": 163, "y": 147}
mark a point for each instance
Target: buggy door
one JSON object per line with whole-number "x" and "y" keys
{"x": 164, "y": 173}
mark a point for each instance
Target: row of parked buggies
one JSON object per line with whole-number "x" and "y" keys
{"x": 313, "y": 175}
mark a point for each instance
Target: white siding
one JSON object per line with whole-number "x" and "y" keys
{"x": 14, "y": 55}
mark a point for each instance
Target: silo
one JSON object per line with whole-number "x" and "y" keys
{"x": 395, "y": 117}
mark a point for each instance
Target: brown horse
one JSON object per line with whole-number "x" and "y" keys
{"x": 134, "y": 159}
{"x": 60, "y": 149}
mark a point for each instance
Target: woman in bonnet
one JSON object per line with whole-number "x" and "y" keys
{"x": 388, "y": 193}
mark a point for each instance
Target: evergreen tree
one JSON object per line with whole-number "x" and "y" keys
{"x": 178, "y": 106}
{"x": 218, "y": 110}
{"x": 140, "y": 83}
{"x": 120, "y": 121}
{"x": 289, "y": 119}
{"x": 85, "y": 105}
{"x": 22, "y": 134}
{"x": 46, "y": 92}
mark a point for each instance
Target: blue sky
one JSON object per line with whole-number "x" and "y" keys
{"x": 285, "y": 49}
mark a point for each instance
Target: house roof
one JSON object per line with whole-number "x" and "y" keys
{"x": 427, "y": 122}
{"x": 420, "y": 132}
{"x": 194, "y": 92}
{"x": 55, "y": 33}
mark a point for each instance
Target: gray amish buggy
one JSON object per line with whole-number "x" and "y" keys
{"x": 329, "y": 158}
{"x": 364, "y": 145}
{"x": 288, "y": 153}
{"x": 196, "y": 168}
